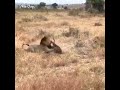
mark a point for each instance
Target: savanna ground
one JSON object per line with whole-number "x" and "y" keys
{"x": 81, "y": 67}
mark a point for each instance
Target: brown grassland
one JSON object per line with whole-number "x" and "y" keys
{"x": 82, "y": 39}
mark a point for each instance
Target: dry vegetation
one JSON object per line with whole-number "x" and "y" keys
{"x": 80, "y": 67}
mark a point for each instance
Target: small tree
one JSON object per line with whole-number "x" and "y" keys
{"x": 65, "y": 7}
{"x": 41, "y": 5}
{"x": 54, "y": 5}
{"x": 95, "y": 4}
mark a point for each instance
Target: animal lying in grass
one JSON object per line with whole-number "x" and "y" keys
{"x": 46, "y": 45}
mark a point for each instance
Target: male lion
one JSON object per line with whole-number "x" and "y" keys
{"x": 44, "y": 46}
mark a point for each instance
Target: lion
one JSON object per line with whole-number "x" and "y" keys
{"x": 45, "y": 46}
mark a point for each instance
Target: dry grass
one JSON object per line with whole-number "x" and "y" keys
{"x": 40, "y": 18}
{"x": 82, "y": 64}
{"x": 73, "y": 32}
{"x": 74, "y": 12}
{"x": 98, "y": 24}
{"x": 65, "y": 23}
{"x": 67, "y": 82}
{"x": 26, "y": 19}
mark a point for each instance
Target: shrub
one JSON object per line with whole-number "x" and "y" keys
{"x": 79, "y": 43}
{"x": 26, "y": 19}
{"x": 74, "y": 32}
{"x": 98, "y": 42}
{"x": 64, "y": 23}
{"x": 40, "y": 17}
{"x": 74, "y": 12}
{"x": 98, "y": 24}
